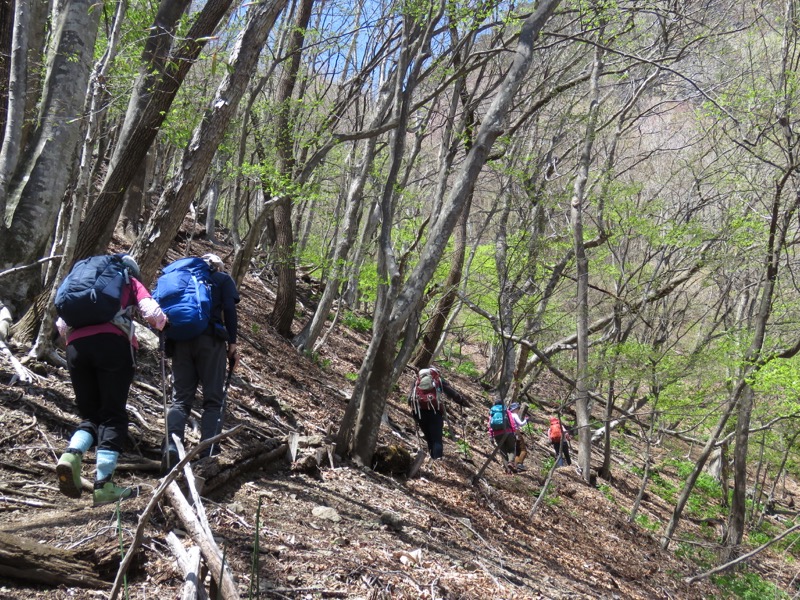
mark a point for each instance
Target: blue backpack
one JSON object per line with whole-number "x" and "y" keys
{"x": 184, "y": 293}
{"x": 498, "y": 417}
{"x": 91, "y": 293}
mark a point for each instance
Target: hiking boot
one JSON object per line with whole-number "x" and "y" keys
{"x": 68, "y": 471}
{"x": 521, "y": 467}
{"x": 169, "y": 458}
{"x": 106, "y": 492}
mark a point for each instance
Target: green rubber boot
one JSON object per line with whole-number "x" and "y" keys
{"x": 68, "y": 471}
{"x": 106, "y": 492}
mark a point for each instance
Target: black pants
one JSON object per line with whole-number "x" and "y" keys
{"x": 431, "y": 423}
{"x": 562, "y": 447}
{"x": 198, "y": 361}
{"x": 508, "y": 444}
{"x": 101, "y": 368}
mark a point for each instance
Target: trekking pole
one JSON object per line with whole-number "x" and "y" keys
{"x": 162, "y": 351}
{"x": 224, "y": 403}
{"x": 489, "y": 458}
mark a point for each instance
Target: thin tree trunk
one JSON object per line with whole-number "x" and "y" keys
{"x": 151, "y": 107}
{"x": 582, "y": 407}
{"x": 372, "y": 386}
{"x": 282, "y": 314}
{"x": 168, "y": 215}
{"x": 645, "y": 467}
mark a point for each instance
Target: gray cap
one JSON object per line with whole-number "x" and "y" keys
{"x": 131, "y": 265}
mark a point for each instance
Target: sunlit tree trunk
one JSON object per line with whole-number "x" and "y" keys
{"x": 46, "y": 169}
{"x": 158, "y": 234}
{"x": 582, "y": 405}
{"x": 286, "y": 296}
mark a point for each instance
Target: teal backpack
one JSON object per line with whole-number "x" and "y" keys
{"x": 498, "y": 417}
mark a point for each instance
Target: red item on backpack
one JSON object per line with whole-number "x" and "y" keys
{"x": 555, "y": 431}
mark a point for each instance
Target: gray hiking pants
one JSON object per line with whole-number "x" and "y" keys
{"x": 198, "y": 361}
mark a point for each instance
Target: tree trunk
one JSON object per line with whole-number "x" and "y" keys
{"x": 282, "y": 314}
{"x": 26, "y": 560}
{"x": 582, "y": 406}
{"x": 45, "y": 172}
{"x": 7, "y": 8}
{"x": 211, "y": 211}
{"x": 149, "y": 108}
{"x": 15, "y": 97}
{"x": 160, "y": 230}
{"x": 360, "y": 441}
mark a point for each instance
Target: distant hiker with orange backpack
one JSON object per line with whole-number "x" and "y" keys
{"x": 427, "y": 407}
{"x": 200, "y": 300}
{"x": 94, "y": 304}
{"x": 559, "y": 437}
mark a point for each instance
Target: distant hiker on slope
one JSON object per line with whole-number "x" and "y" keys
{"x": 559, "y": 437}
{"x": 428, "y": 409}
{"x": 95, "y": 304}
{"x": 502, "y": 429}
{"x": 521, "y": 448}
{"x": 198, "y": 346}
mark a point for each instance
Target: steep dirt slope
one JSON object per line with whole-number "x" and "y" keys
{"x": 436, "y": 536}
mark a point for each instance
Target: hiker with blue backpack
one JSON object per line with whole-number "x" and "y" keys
{"x": 200, "y": 300}
{"x": 502, "y": 429}
{"x": 95, "y": 304}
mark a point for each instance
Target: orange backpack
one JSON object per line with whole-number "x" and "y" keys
{"x": 554, "y": 433}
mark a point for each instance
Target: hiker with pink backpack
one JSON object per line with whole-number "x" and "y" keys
{"x": 505, "y": 430}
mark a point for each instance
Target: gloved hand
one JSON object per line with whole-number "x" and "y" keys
{"x": 233, "y": 357}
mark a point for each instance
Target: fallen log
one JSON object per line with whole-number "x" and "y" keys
{"x": 220, "y": 571}
{"x": 22, "y": 558}
{"x": 215, "y": 476}
{"x": 189, "y": 563}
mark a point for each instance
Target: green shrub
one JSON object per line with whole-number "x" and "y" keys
{"x": 605, "y": 489}
{"x": 467, "y": 368}
{"x": 746, "y": 585}
{"x": 356, "y": 322}
{"x": 464, "y": 447}
{"x": 646, "y": 523}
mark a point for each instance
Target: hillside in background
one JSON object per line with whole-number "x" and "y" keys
{"x": 337, "y": 531}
